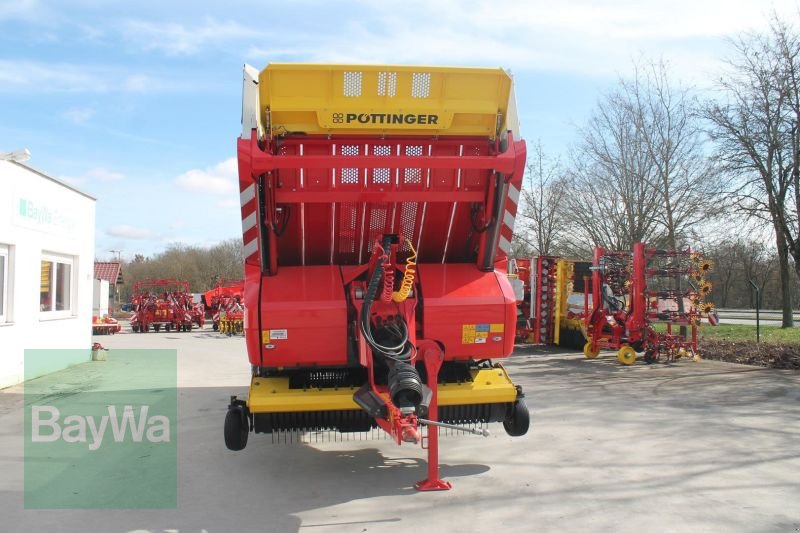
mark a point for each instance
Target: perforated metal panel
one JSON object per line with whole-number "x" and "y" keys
{"x": 408, "y": 222}
{"x": 413, "y": 175}
{"x": 348, "y": 215}
{"x": 352, "y": 84}
{"x": 349, "y": 176}
{"x": 381, "y": 176}
{"x": 421, "y": 84}
{"x": 387, "y": 83}
{"x": 377, "y": 225}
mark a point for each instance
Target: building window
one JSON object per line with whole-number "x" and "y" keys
{"x": 56, "y": 288}
{"x": 4, "y": 279}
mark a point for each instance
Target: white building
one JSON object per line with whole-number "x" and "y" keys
{"x": 46, "y": 272}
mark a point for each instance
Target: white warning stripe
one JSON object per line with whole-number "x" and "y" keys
{"x": 248, "y": 194}
{"x": 513, "y": 194}
{"x": 509, "y": 220}
{"x": 248, "y": 222}
{"x": 250, "y": 248}
{"x": 504, "y": 245}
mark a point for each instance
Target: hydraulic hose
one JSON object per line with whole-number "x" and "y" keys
{"x": 393, "y": 343}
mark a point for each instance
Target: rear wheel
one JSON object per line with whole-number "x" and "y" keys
{"x": 236, "y": 429}
{"x": 518, "y": 420}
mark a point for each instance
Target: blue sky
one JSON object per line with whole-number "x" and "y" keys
{"x": 138, "y": 103}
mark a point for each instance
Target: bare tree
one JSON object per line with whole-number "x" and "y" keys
{"x": 640, "y": 172}
{"x": 543, "y": 192}
{"x": 611, "y": 203}
{"x": 739, "y": 260}
{"x": 758, "y": 133}
{"x": 201, "y": 267}
{"x": 667, "y": 121}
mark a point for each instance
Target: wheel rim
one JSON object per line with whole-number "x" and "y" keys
{"x": 588, "y": 352}
{"x": 626, "y": 355}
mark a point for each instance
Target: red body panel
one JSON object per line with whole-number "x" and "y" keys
{"x": 457, "y": 297}
{"x": 325, "y": 202}
{"x": 304, "y": 308}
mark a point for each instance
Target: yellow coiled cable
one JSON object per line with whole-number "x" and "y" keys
{"x": 408, "y": 277}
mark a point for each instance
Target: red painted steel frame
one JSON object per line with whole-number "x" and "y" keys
{"x": 312, "y": 209}
{"x": 433, "y": 357}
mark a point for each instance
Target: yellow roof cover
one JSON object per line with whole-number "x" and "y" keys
{"x": 382, "y": 99}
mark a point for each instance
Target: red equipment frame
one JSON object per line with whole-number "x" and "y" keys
{"x": 625, "y": 306}
{"x": 171, "y": 306}
{"x": 314, "y": 212}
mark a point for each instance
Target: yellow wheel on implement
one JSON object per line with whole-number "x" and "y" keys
{"x": 589, "y": 352}
{"x": 626, "y": 355}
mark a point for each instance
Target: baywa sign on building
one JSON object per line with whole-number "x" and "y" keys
{"x": 109, "y": 442}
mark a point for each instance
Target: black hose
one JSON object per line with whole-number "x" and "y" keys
{"x": 405, "y": 387}
{"x": 395, "y": 332}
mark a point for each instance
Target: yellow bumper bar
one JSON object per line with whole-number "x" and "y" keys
{"x": 273, "y": 395}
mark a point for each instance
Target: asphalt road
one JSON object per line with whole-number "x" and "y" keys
{"x": 689, "y": 446}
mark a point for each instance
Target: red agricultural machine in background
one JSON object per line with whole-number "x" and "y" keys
{"x": 548, "y": 311}
{"x": 378, "y": 206}
{"x": 644, "y": 300}
{"x": 105, "y": 325}
{"x": 640, "y": 297}
{"x": 164, "y": 303}
{"x": 225, "y": 304}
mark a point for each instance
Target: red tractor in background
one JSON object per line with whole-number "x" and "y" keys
{"x": 164, "y": 303}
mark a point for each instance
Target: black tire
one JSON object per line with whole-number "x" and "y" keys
{"x": 215, "y": 326}
{"x": 236, "y": 429}
{"x": 135, "y": 329}
{"x": 156, "y": 327}
{"x": 518, "y": 420}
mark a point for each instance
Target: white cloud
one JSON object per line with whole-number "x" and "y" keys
{"x": 96, "y": 174}
{"x": 78, "y": 115}
{"x": 219, "y": 179}
{"x": 24, "y": 9}
{"x": 104, "y": 175}
{"x": 32, "y": 76}
{"x": 130, "y": 232}
{"x": 179, "y": 39}
{"x": 579, "y": 37}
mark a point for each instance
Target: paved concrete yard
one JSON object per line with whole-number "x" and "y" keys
{"x": 702, "y": 446}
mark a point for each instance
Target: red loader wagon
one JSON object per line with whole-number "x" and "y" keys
{"x": 378, "y": 205}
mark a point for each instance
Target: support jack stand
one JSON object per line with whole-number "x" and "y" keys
{"x": 433, "y": 356}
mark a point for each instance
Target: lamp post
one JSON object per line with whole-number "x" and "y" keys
{"x": 116, "y": 289}
{"x": 758, "y": 309}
